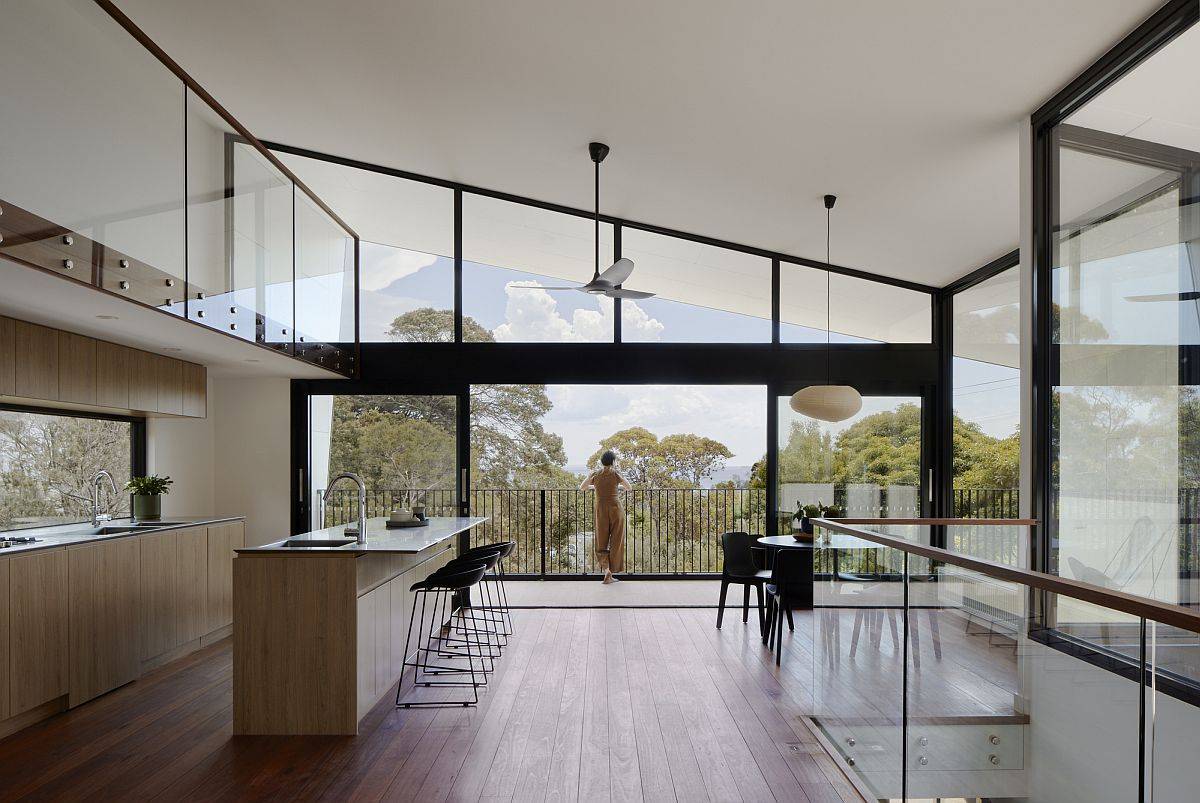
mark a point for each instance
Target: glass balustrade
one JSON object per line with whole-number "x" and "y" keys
{"x": 118, "y": 173}
{"x": 953, "y": 675}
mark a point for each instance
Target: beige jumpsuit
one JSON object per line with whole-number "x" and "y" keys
{"x": 610, "y": 521}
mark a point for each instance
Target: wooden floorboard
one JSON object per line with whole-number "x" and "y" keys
{"x": 584, "y": 705}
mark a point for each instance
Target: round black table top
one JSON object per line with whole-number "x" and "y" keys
{"x": 836, "y": 541}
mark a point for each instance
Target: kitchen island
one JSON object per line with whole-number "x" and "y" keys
{"x": 318, "y": 630}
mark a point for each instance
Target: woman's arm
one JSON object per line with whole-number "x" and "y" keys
{"x": 624, "y": 483}
{"x": 587, "y": 483}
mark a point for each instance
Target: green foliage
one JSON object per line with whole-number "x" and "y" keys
{"x": 153, "y": 485}
{"x": 45, "y": 459}
{"x": 676, "y": 461}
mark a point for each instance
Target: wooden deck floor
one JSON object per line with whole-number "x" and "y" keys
{"x": 585, "y": 705}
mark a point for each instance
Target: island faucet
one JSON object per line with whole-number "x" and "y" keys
{"x": 362, "y": 502}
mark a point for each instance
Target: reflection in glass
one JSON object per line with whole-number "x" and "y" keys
{"x": 705, "y": 294}
{"x": 406, "y": 256}
{"x": 868, "y": 466}
{"x": 987, "y": 397}
{"x": 402, "y": 447}
{"x": 47, "y": 463}
{"x": 91, "y": 151}
{"x": 507, "y": 245}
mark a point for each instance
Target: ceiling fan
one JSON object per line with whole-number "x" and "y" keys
{"x": 609, "y": 282}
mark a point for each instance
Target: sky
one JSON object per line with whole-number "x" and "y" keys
{"x": 395, "y": 281}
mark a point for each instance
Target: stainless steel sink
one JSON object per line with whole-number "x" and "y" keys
{"x": 312, "y": 542}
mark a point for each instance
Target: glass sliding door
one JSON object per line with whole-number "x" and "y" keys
{"x": 1123, "y": 438}
{"x": 868, "y": 466}
{"x": 403, "y": 446}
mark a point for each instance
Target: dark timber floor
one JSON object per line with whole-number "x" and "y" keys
{"x": 586, "y": 705}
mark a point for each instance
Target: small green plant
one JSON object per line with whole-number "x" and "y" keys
{"x": 149, "y": 486}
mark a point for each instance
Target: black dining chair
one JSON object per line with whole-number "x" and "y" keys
{"x": 741, "y": 568}
{"x": 787, "y": 567}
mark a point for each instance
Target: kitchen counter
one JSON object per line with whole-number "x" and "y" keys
{"x": 318, "y": 641}
{"x": 61, "y": 535}
{"x": 405, "y": 541}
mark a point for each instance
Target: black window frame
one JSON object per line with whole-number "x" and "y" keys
{"x": 137, "y": 440}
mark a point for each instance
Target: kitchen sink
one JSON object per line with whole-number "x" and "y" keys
{"x": 312, "y": 542}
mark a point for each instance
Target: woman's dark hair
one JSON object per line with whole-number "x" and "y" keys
{"x": 608, "y": 458}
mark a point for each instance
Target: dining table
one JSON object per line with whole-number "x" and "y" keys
{"x": 800, "y": 587}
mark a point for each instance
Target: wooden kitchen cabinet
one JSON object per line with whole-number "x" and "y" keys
{"x": 174, "y": 587}
{"x": 76, "y": 368}
{"x": 38, "y": 626}
{"x": 104, "y": 608}
{"x": 112, "y": 375}
{"x": 5, "y": 708}
{"x": 159, "y": 557}
{"x": 191, "y": 569}
{"x": 223, "y": 539}
{"x": 195, "y": 390}
{"x": 170, "y": 385}
{"x": 8, "y": 357}
{"x": 36, "y": 353}
{"x": 143, "y": 381}
{"x": 45, "y": 364}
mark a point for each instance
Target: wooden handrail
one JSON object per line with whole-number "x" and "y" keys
{"x": 1141, "y": 607}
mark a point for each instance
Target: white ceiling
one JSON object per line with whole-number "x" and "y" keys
{"x": 725, "y": 119}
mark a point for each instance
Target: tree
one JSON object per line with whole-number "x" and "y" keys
{"x": 429, "y": 325}
{"x": 639, "y": 457}
{"x": 883, "y": 448}
{"x": 693, "y": 457}
{"x": 48, "y": 460}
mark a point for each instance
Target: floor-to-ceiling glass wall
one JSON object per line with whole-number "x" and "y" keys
{"x": 987, "y": 397}
{"x": 403, "y": 447}
{"x": 692, "y": 454}
{"x": 868, "y": 466}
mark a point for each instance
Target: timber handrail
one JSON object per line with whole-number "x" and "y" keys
{"x": 1132, "y": 604}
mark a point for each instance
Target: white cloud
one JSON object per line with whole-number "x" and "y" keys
{"x": 380, "y": 265}
{"x": 378, "y": 310}
{"x": 733, "y": 415}
{"x": 532, "y": 315}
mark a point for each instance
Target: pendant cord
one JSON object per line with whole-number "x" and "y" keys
{"x": 828, "y": 357}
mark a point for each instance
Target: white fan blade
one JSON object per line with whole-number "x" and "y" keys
{"x": 621, "y": 292}
{"x": 539, "y": 287}
{"x": 618, "y": 272}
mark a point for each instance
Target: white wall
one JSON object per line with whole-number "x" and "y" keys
{"x": 182, "y": 448}
{"x": 235, "y": 462}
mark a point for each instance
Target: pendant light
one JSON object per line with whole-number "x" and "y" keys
{"x": 827, "y": 402}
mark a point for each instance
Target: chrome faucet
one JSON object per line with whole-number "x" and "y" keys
{"x": 97, "y": 516}
{"x": 362, "y": 503}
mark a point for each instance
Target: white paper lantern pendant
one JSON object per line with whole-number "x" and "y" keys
{"x": 827, "y": 402}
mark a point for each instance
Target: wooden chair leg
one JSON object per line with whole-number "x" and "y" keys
{"x": 721, "y": 603}
{"x": 745, "y": 603}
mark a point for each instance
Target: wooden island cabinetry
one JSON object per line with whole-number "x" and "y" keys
{"x": 82, "y": 619}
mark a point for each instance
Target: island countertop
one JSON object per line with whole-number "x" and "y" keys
{"x": 406, "y": 540}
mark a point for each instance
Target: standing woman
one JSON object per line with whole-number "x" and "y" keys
{"x": 610, "y": 518}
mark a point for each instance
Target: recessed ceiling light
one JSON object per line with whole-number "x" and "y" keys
{"x": 251, "y": 359}
{"x": 108, "y": 317}
{"x": 171, "y": 348}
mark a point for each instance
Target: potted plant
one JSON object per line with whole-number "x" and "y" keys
{"x": 147, "y": 496}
